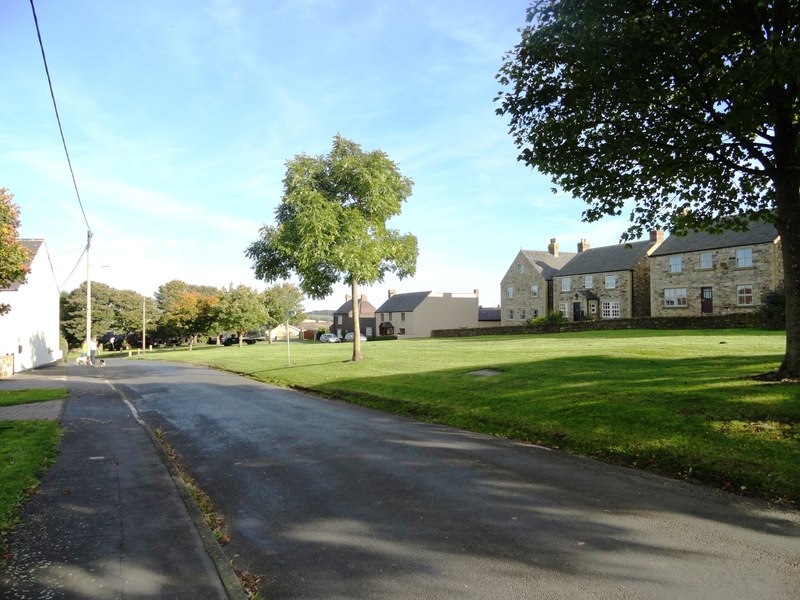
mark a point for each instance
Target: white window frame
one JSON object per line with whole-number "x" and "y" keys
{"x": 510, "y": 292}
{"x": 562, "y": 308}
{"x": 706, "y": 261}
{"x": 520, "y": 268}
{"x": 510, "y": 314}
{"x": 566, "y": 284}
{"x": 612, "y": 309}
{"x": 676, "y": 297}
{"x": 611, "y": 282}
{"x": 744, "y": 292}
{"x": 535, "y": 291}
{"x": 744, "y": 258}
{"x": 338, "y": 319}
{"x": 588, "y": 281}
{"x": 675, "y": 264}
{"x": 521, "y": 314}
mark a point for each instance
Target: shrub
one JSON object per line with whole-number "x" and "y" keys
{"x": 773, "y": 308}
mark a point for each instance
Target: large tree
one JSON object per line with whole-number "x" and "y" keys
{"x": 241, "y": 309}
{"x": 331, "y": 224}
{"x": 14, "y": 256}
{"x": 687, "y": 111}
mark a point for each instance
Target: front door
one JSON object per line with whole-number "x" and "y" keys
{"x": 706, "y": 300}
{"x": 576, "y": 311}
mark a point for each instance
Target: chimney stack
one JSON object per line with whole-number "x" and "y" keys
{"x": 363, "y": 298}
{"x": 347, "y": 297}
{"x": 583, "y": 245}
{"x": 553, "y": 247}
{"x": 656, "y": 235}
{"x": 392, "y": 293}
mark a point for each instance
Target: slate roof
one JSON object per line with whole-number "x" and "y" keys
{"x": 620, "y": 257}
{"x": 489, "y": 313}
{"x": 757, "y": 233}
{"x": 32, "y": 246}
{"x": 364, "y": 308}
{"x": 547, "y": 264}
{"x": 403, "y": 302}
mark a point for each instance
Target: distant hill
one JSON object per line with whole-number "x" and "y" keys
{"x": 321, "y": 315}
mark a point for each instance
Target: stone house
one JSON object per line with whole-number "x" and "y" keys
{"x": 416, "y": 314}
{"x": 29, "y": 333}
{"x": 610, "y": 282}
{"x": 705, "y": 273}
{"x": 343, "y": 322}
{"x": 526, "y": 290}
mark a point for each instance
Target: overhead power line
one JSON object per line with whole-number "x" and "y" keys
{"x": 58, "y": 118}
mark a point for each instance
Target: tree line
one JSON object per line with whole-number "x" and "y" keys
{"x": 179, "y": 313}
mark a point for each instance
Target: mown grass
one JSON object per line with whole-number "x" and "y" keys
{"x": 683, "y": 404}
{"x": 27, "y": 448}
{"x": 13, "y": 397}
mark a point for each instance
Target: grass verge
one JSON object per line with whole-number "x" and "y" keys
{"x": 685, "y": 404}
{"x": 27, "y": 449}
{"x": 14, "y": 397}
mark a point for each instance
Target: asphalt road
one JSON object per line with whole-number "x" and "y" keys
{"x": 327, "y": 500}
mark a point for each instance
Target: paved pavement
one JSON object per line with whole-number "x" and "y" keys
{"x": 109, "y": 519}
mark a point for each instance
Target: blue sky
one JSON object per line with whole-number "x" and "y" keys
{"x": 180, "y": 116}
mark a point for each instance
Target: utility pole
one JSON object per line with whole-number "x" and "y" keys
{"x": 144, "y": 325}
{"x": 88, "y": 295}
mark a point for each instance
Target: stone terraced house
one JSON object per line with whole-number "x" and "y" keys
{"x": 715, "y": 274}
{"x": 526, "y": 290}
{"x": 609, "y": 282}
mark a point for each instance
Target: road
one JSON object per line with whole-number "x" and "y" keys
{"x": 327, "y": 500}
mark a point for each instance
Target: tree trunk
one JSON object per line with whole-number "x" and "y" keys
{"x": 788, "y": 226}
{"x": 356, "y": 325}
{"x": 240, "y": 339}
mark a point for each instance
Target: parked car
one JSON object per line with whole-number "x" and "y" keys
{"x": 348, "y": 337}
{"x": 330, "y": 338}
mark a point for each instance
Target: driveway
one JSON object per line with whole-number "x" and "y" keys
{"x": 328, "y": 500}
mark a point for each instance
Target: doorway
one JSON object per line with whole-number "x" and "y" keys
{"x": 706, "y": 300}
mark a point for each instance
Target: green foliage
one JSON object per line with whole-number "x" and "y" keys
{"x": 283, "y": 302}
{"x": 331, "y": 222}
{"x": 114, "y": 310}
{"x": 14, "y": 256}
{"x": 553, "y": 317}
{"x": 685, "y": 113}
{"x": 241, "y": 309}
{"x": 187, "y": 311}
{"x": 14, "y": 397}
{"x": 773, "y": 308}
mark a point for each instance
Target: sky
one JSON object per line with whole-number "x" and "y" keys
{"x": 179, "y": 118}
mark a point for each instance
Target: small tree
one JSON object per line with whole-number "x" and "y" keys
{"x": 284, "y": 304}
{"x": 331, "y": 224}
{"x": 240, "y": 310}
{"x": 13, "y": 255}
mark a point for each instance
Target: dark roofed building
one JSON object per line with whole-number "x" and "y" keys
{"x": 344, "y": 323}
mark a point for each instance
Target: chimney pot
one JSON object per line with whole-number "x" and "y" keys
{"x": 583, "y": 245}
{"x": 553, "y": 247}
{"x": 656, "y": 235}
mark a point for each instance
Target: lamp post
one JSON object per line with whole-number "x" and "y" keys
{"x": 144, "y": 325}
{"x": 88, "y": 295}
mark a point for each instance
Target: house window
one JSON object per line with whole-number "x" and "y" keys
{"x": 611, "y": 282}
{"x": 369, "y": 332}
{"x": 675, "y": 264}
{"x": 744, "y": 257}
{"x": 705, "y": 260}
{"x": 675, "y": 297}
{"x": 744, "y": 295}
{"x": 566, "y": 284}
{"x": 402, "y": 316}
{"x": 402, "y": 331}
{"x": 534, "y": 291}
{"x": 535, "y": 313}
{"x": 588, "y": 282}
{"x": 562, "y": 307}
{"x": 339, "y": 319}
{"x": 611, "y": 310}
{"x": 592, "y": 308}
{"x": 510, "y": 292}
{"x": 383, "y": 317}
{"x": 510, "y": 314}
{"x": 520, "y": 268}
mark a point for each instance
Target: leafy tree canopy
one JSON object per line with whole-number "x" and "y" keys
{"x": 241, "y": 309}
{"x": 331, "y": 223}
{"x": 687, "y": 111}
{"x": 284, "y": 303}
{"x": 14, "y": 256}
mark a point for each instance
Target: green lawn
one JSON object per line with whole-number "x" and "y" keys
{"x": 27, "y": 448}
{"x": 683, "y": 404}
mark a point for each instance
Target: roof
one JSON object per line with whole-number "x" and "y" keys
{"x": 547, "y": 264}
{"x": 490, "y": 313}
{"x": 364, "y": 308}
{"x": 757, "y": 233}
{"x": 403, "y": 302}
{"x": 32, "y": 246}
{"x": 620, "y": 257}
